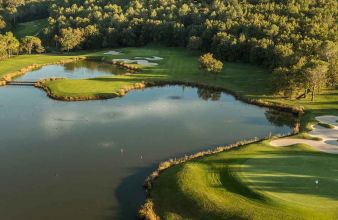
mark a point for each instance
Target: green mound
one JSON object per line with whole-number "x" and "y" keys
{"x": 32, "y": 28}
{"x": 255, "y": 182}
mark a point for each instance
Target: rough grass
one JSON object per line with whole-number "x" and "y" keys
{"x": 32, "y": 28}
{"x": 256, "y": 182}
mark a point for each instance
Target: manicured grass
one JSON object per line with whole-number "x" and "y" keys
{"x": 179, "y": 64}
{"x": 256, "y": 182}
{"x": 20, "y": 62}
{"x": 325, "y": 103}
{"x": 32, "y": 28}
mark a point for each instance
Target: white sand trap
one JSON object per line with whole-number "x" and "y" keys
{"x": 139, "y": 62}
{"x": 153, "y": 58}
{"x": 329, "y": 136}
{"x": 112, "y": 52}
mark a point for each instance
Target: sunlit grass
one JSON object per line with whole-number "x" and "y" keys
{"x": 20, "y": 62}
{"x": 255, "y": 182}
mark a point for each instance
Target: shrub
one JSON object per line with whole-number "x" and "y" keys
{"x": 147, "y": 211}
{"x": 210, "y": 64}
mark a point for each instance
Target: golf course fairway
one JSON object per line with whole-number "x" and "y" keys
{"x": 257, "y": 181}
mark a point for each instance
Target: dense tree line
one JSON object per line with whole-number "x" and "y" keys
{"x": 13, "y": 12}
{"x": 295, "y": 38}
{"x": 10, "y": 45}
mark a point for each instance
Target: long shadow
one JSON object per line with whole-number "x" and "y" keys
{"x": 134, "y": 79}
{"x": 177, "y": 197}
{"x": 295, "y": 180}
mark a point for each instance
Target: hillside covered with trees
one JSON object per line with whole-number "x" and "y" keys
{"x": 296, "y": 40}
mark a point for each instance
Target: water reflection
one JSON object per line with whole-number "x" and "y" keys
{"x": 281, "y": 119}
{"x": 93, "y": 66}
{"x": 76, "y": 70}
{"x": 208, "y": 94}
{"x": 88, "y": 160}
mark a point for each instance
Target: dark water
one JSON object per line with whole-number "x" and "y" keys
{"x": 77, "y": 70}
{"x": 88, "y": 160}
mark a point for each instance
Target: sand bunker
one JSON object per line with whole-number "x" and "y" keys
{"x": 112, "y": 52}
{"x": 153, "y": 58}
{"x": 143, "y": 61}
{"x": 329, "y": 136}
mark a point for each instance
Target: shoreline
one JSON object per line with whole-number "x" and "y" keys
{"x": 147, "y": 207}
{"x": 147, "y": 210}
{"x": 9, "y": 76}
{"x": 298, "y": 111}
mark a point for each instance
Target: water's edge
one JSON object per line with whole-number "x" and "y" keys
{"x": 147, "y": 210}
{"x": 171, "y": 162}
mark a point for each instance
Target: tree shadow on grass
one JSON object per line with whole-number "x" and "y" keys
{"x": 129, "y": 78}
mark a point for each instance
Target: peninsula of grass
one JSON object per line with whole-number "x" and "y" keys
{"x": 19, "y": 65}
{"x": 254, "y": 182}
{"x": 180, "y": 65}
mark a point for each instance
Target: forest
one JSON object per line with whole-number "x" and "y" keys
{"x": 295, "y": 39}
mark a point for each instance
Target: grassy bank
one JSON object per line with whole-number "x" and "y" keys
{"x": 177, "y": 65}
{"x": 180, "y": 65}
{"x": 32, "y": 28}
{"x": 24, "y": 63}
{"x": 255, "y": 182}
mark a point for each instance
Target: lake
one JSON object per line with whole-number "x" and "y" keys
{"x": 88, "y": 160}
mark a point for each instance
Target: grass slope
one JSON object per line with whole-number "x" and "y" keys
{"x": 32, "y": 28}
{"x": 256, "y": 182}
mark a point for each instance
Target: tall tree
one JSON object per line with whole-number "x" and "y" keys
{"x": 70, "y": 38}
{"x": 11, "y": 44}
{"x": 315, "y": 76}
{"x": 31, "y": 44}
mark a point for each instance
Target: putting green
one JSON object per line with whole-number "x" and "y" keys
{"x": 304, "y": 179}
{"x": 254, "y": 182}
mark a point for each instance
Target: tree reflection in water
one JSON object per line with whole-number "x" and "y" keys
{"x": 93, "y": 65}
{"x": 281, "y": 119}
{"x": 208, "y": 94}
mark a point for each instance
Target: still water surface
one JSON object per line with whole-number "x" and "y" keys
{"x": 88, "y": 160}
